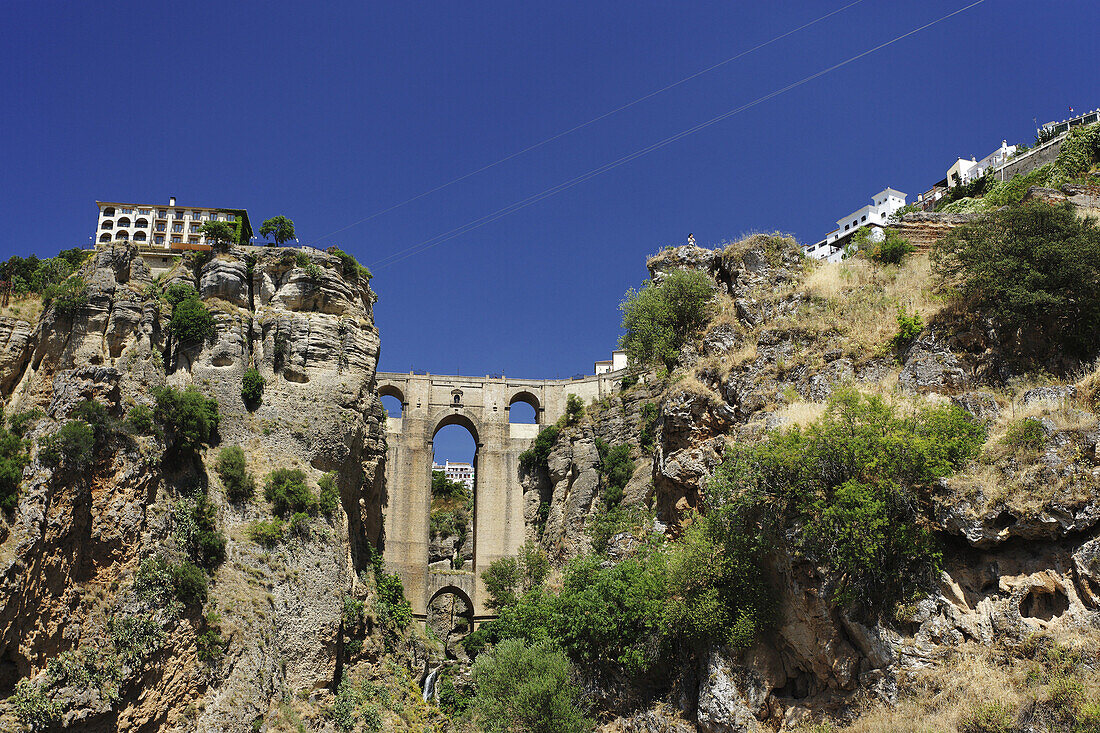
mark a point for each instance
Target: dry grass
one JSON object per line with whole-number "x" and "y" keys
{"x": 944, "y": 696}
{"x": 857, "y": 300}
{"x": 26, "y": 308}
{"x": 800, "y": 413}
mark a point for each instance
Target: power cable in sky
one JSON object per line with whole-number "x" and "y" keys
{"x": 594, "y": 120}
{"x": 535, "y": 198}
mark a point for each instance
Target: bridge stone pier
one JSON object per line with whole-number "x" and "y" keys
{"x": 481, "y": 405}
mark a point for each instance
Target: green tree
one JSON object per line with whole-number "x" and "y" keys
{"x": 329, "y": 494}
{"x": 528, "y": 688}
{"x": 509, "y": 578}
{"x": 191, "y": 322}
{"x": 233, "y": 471}
{"x": 1053, "y": 257}
{"x": 660, "y": 319}
{"x": 279, "y": 228}
{"x": 13, "y": 458}
{"x": 219, "y": 233}
{"x": 73, "y": 446}
{"x": 445, "y": 488}
{"x": 189, "y": 419}
{"x": 252, "y": 387}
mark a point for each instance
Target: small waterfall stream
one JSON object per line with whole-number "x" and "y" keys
{"x": 429, "y": 683}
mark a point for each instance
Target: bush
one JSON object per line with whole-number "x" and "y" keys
{"x": 648, "y": 431}
{"x": 189, "y": 420}
{"x": 349, "y": 266}
{"x": 209, "y": 644}
{"x": 616, "y": 468}
{"x": 1026, "y": 434}
{"x": 1054, "y": 258}
{"x": 71, "y": 447}
{"x": 529, "y": 688}
{"x": 189, "y": 582}
{"x": 574, "y": 410}
{"x": 445, "y": 488}
{"x": 252, "y": 387}
{"x": 95, "y": 415}
{"x": 301, "y": 259}
{"x": 13, "y": 458}
{"x": 993, "y": 717}
{"x": 191, "y": 322}
{"x": 909, "y": 327}
{"x": 140, "y": 420}
{"x": 34, "y": 707}
{"x": 136, "y": 636}
{"x": 20, "y": 422}
{"x": 314, "y": 272}
{"x": 67, "y": 297}
{"x": 288, "y": 493}
{"x": 233, "y": 472}
{"x": 198, "y": 532}
{"x": 391, "y": 605}
{"x": 329, "y": 497}
{"x": 178, "y": 292}
{"x": 508, "y": 578}
{"x": 891, "y": 250}
{"x": 535, "y": 457}
{"x": 298, "y": 526}
{"x": 267, "y": 532}
{"x": 660, "y": 319}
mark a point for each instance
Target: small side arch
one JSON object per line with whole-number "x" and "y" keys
{"x": 396, "y": 395}
{"x": 456, "y": 591}
{"x": 527, "y": 398}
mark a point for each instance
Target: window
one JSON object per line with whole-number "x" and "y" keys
{"x": 194, "y": 228}
{"x": 161, "y": 226}
{"x": 177, "y": 227}
{"x": 196, "y": 215}
{"x": 163, "y": 260}
{"x": 143, "y": 212}
{"x": 127, "y": 210}
{"x": 193, "y": 240}
{"x": 231, "y": 217}
{"x": 162, "y": 214}
{"x": 213, "y": 217}
{"x": 864, "y": 218}
{"x": 179, "y": 213}
{"x": 846, "y": 227}
{"x": 160, "y": 239}
{"x": 177, "y": 238}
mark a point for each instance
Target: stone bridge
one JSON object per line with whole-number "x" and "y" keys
{"x": 481, "y": 405}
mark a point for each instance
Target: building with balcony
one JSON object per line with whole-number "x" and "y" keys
{"x": 168, "y": 227}
{"x": 458, "y": 471}
{"x": 964, "y": 171}
{"x": 876, "y": 215}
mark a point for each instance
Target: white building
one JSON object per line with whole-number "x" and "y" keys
{"x": 614, "y": 364}
{"x": 457, "y": 471}
{"x": 164, "y": 227}
{"x": 877, "y": 214}
{"x": 964, "y": 171}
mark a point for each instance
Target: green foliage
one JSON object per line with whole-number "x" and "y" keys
{"x": 391, "y": 606}
{"x": 534, "y": 458}
{"x": 329, "y": 497}
{"x": 445, "y": 488}
{"x": 298, "y": 526}
{"x": 528, "y": 688}
{"x": 95, "y": 415}
{"x": 252, "y": 387}
{"x": 34, "y": 708}
{"x": 648, "y": 431}
{"x": 219, "y": 232}
{"x": 136, "y": 636}
{"x": 1012, "y": 191}
{"x": 279, "y": 228}
{"x": 610, "y": 522}
{"x": 191, "y": 322}
{"x": 314, "y": 272}
{"x": 67, "y": 297}
{"x": 628, "y": 381}
{"x": 189, "y": 583}
{"x": 909, "y": 327}
{"x": 660, "y": 319}
{"x": 13, "y": 458}
{"x": 349, "y": 266}
{"x": 288, "y": 492}
{"x": 1080, "y": 151}
{"x": 574, "y": 411}
{"x": 616, "y": 468}
{"x": 891, "y": 250}
{"x": 1026, "y": 434}
{"x": 301, "y": 259}
{"x": 72, "y": 447}
{"x": 140, "y": 420}
{"x": 178, "y": 292}
{"x": 356, "y": 707}
{"x": 20, "y": 422}
{"x": 992, "y": 717}
{"x": 1054, "y": 258}
{"x": 233, "y": 471}
{"x": 198, "y": 534}
{"x": 508, "y": 578}
{"x": 188, "y": 419}
{"x": 209, "y": 644}
{"x": 267, "y": 532}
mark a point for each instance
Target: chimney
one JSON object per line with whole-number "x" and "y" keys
{"x": 171, "y": 200}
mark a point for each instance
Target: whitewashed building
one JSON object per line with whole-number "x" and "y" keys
{"x": 614, "y": 364}
{"x": 876, "y": 215}
{"x": 458, "y": 471}
{"x": 166, "y": 227}
{"x": 964, "y": 171}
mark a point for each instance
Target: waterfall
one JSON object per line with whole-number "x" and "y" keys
{"x": 429, "y": 683}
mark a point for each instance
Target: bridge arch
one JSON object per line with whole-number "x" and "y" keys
{"x": 461, "y": 419}
{"x": 528, "y": 398}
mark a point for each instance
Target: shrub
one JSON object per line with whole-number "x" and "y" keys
{"x": 71, "y": 447}
{"x": 153, "y": 581}
{"x": 648, "y": 430}
{"x": 992, "y": 717}
{"x": 616, "y": 468}
{"x": 189, "y": 420}
{"x": 390, "y": 604}
{"x": 530, "y": 688}
{"x": 67, "y": 297}
{"x": 508, "y": 578}
{"x": 20, "y": 422}
{"x": 628, "y": 381}
{"x": 252, "y": 387}
{"x": 178, "y": 292}
{"x": 1026, "y": 434}
{"x": 909, "y": 327}
{"x": 209, "y": 644}
{"x": 301, "y": 259}
{"x": 197, "y": 530}
{"x": 659, "y": 319}
{"x": 233, "y": 472}
{"x": 1080, "y": 150}
{"x": 574, "y": 410}
{"x": 288, "y": 493}
{"x": 140, "y": 420}
{"x": 136, "y": 636}
{"x": 299, "y": 526}
{"x": 267, "y": 532}
{"x": 329, "y": 497}
{"x": 34, "y": 707}
{"x": 191, "y": 322}
{"x": 1054, "y": 258}
{"x": 891, "y": 250}
{"x": 95, "y": 415}
{"x": 445, "y": 488}
{"x": 535, "y": 457}
{"x": 13, "y": 458}
{"x": 189, "y": 582}
{"x": 314, "y": 272}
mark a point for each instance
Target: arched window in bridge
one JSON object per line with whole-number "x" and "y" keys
{"x": 392, "y": 400}
{"x": 523, "y": 408}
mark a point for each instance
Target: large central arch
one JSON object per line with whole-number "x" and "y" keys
{"x": 430, "y": 402}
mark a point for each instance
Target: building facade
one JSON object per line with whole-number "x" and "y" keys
{"x": 167, "y": 227}
{"x": 458, "y": 471}
{"x": 614, "y": 364}
{"x": 876, "y": 215}
{"x": 964, "y": 171}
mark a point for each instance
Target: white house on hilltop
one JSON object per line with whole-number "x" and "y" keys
{"x": 164, "y": 227}
{"x": 884, "y": 204}
{"x": 458, "y": 471}
{"x": 964, "y": 171}
{"x": 614, "y": 364}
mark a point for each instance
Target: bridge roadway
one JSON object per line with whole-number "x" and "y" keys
{"x": 481, "y": 405}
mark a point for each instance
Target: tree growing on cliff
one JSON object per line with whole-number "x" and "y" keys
{"x": 660, "y": 319}
{"x": 189, "y": 419}
{"x": 219, "y": 233}
{"x": 279, "y": 228}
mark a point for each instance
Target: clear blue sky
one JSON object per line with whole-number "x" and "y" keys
{"x": 329, "y": 112}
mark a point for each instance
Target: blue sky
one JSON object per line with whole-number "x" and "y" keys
{"x": 330, "y": 112}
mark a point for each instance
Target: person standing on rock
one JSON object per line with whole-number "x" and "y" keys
{"x": 691, "y": 240}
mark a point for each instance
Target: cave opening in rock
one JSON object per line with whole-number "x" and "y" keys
{"x": 1043, "y": 603}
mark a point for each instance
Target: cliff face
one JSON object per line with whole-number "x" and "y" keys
{"x": 71, "y": 549}
{"x": 1019, "y": 528}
